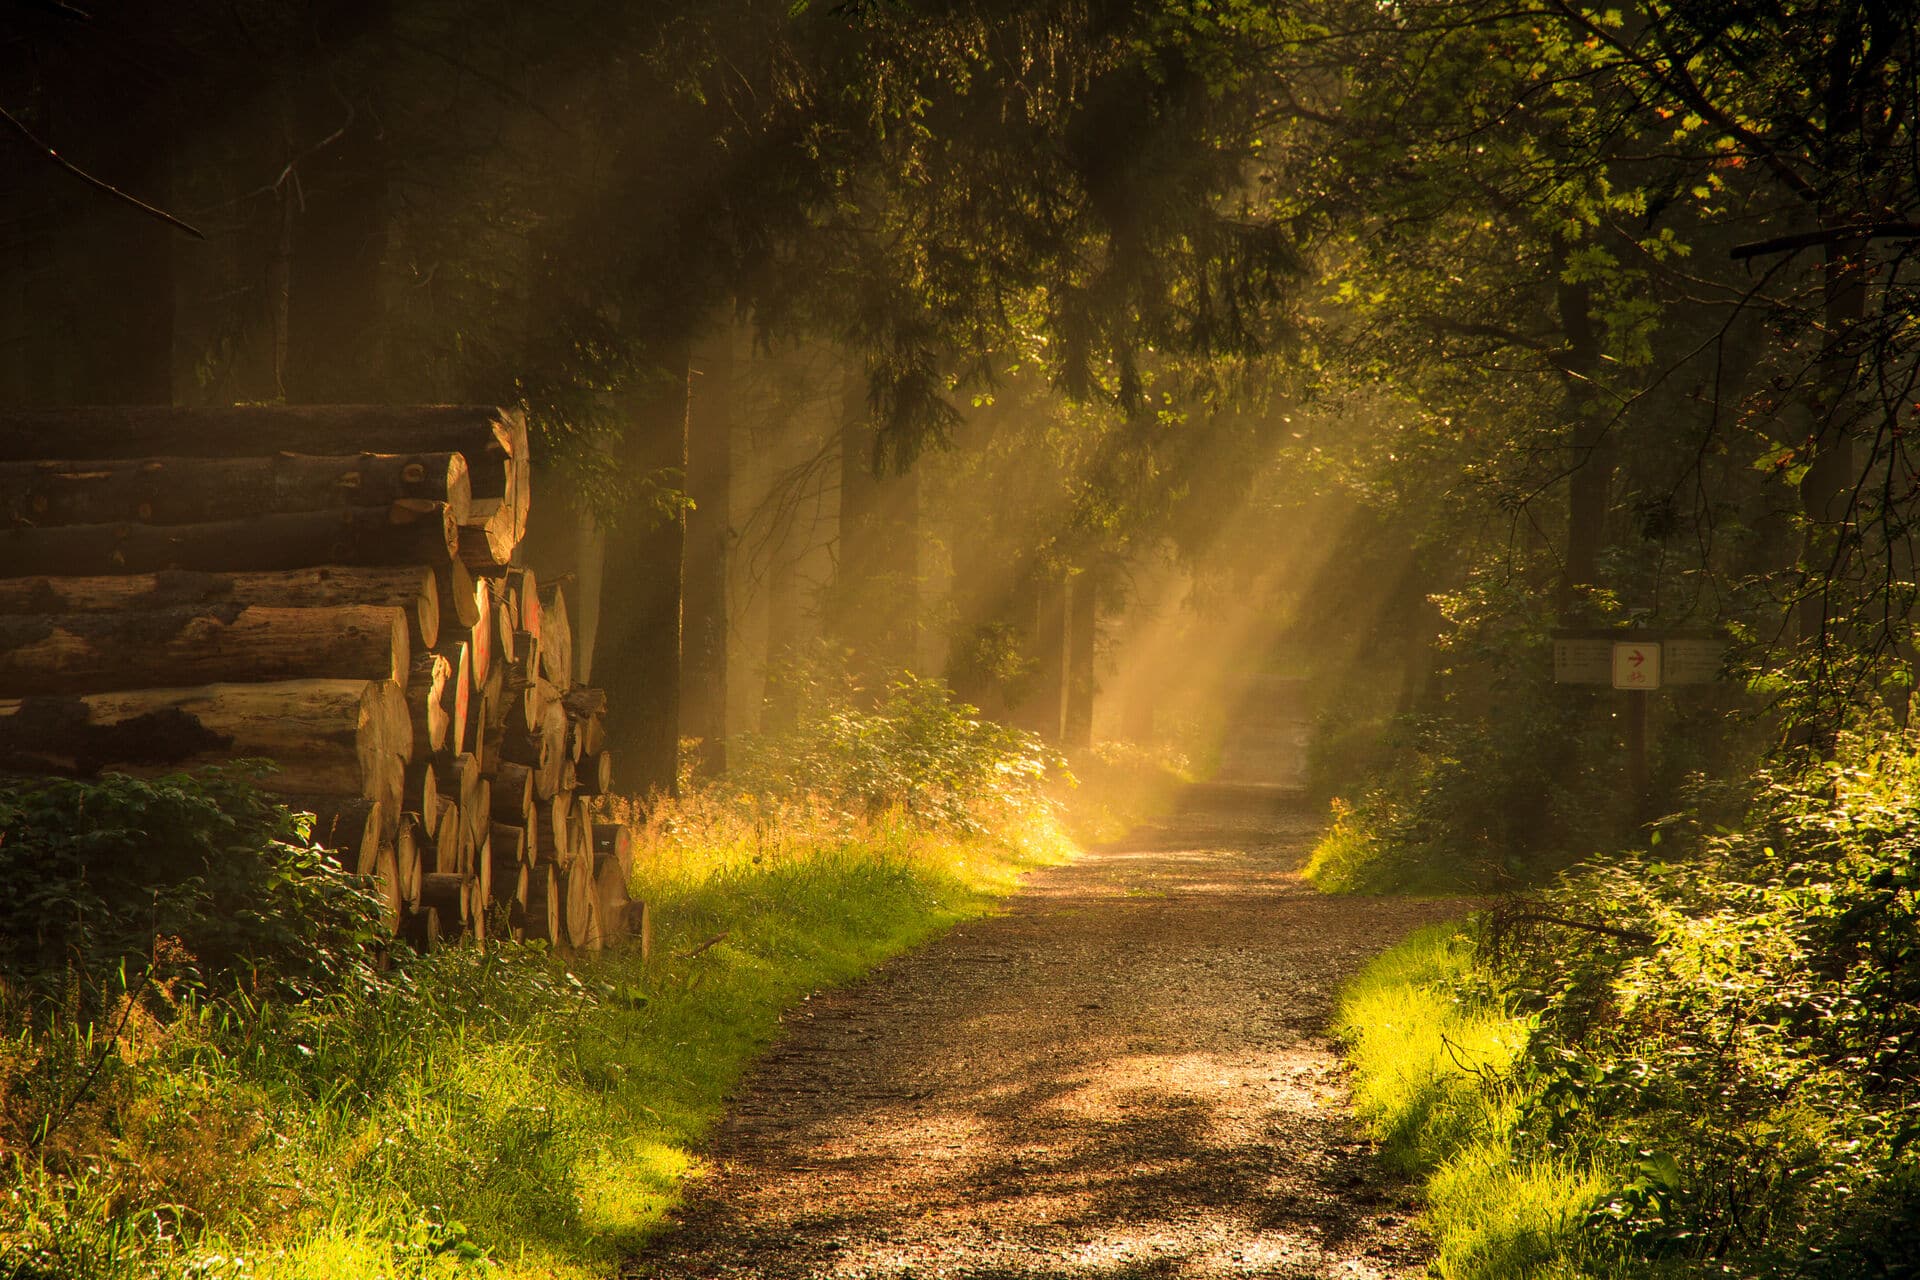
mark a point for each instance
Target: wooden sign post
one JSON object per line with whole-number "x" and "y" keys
{"x": 1637, "y": 662}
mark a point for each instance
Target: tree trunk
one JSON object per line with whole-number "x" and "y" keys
{"x": 110, "y": 320}
{"x": 493, "y": 440}
{"x": 1083, "y": 627}
{"x": 330, "y": 737}
{"x": 406, "y": 532}
{"x": 556, "y": 638}
{"x": 1591, "y": 460}
{"x": 1826, "y": 490}
{"x": 354, "y": 828}
{"x": 336, "y": 274}
{"x": 409, "y": 588}
{"x": 487, "y": 540}
{"x": 171, "y": 648}
{"x": 1044, "y": 709}
{"x": 542, "y": 918}
{"x": 874, "y": 608}
{"x": 703, "y": 659}
{"x": 174, "y": 491}
{"x": 637, "y": 659}
{"x": 576, "y": 914}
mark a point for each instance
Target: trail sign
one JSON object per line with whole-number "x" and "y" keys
{"x": 1636, "y": 664}
{"x": 1692, "y": 659}
{"x": 1582, "y": 660}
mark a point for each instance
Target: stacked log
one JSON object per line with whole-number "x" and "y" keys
{"x": 336, "y": 589}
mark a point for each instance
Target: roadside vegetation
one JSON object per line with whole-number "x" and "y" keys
{"x": 1660, "y": 1065}
{"x": 191, "y": 1088}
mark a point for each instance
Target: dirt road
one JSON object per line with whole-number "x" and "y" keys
{"x": 1124, "y": 1076}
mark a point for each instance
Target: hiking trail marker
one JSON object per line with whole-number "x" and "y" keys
{"x": 1637, "y": 662}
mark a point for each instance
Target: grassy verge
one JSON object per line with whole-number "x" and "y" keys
{"x": 1433, "y": 1047}
{"x": 501, "y": 1113}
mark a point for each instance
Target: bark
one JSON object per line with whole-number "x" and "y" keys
{"x": 1826, "y": 490}
{"x": 543, "y": 751}
{"x": 193, "y": 490}
{"x": 542, "y": 916}
{"x": 1044, "y": 709}
{"x": 1591, "y": 461}
{"x": 421, "y": 795}
{"x": 703, "y": 659}
{"x": 637, "y": 657}
{"x": 446, "y": 893}
{"x": 593, "y": 773}
{"x": 463, "y": 602}
{"x": 406, "y": 587}
{"x": 399, "y": 534}
{"x": 101, "y": 652}
{"x": 490, "y": 438}
{"x": 1083, "y": 627}
{"x": 507, "y": 866}
{"x": 513, "y": 794}
{"x": 355, "y": 828}
{"x": 330, "y": 737}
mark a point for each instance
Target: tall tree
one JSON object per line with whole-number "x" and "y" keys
{"x": 709, "y": 536}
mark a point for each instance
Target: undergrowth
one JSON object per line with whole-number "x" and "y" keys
{"x": 1707, "y": 1067}
{"x": 507, "y": 1112}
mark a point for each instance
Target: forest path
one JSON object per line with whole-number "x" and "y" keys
{"x": 1126, "y": 1075}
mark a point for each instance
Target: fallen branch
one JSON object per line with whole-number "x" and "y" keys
{"x": 688, "y": 955}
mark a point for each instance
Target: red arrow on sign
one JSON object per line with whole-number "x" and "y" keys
{"x": 1638, "y": 656}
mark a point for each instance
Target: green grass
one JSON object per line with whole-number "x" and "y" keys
{"x": 504, "y": 1113}
{"x": 1432, "y": 1052}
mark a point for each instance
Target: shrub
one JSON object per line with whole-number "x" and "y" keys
{"x": 203, "y": 879}
{"x": 913, "y": 748}
{"x": 1725, "y": 1050}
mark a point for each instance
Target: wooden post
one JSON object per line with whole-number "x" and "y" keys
{"x": 1638, "y": 783}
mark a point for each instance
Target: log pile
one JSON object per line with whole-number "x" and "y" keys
{"x": 336, "y": 589}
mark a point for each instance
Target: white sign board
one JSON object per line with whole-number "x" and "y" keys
{"x": 1692, "y": 660}
{"x": 1636, "y": 664}
{"x": 1579, "y": 660}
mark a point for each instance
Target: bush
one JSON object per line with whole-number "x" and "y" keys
{"x": 202, "y": 880}
{"x": 1726, "y": 1049}
{"x": 914, "y": 749}
{"x": 1501, "y": 778}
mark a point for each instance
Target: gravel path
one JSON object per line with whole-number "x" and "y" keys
{"x": 1124, "y": 1076}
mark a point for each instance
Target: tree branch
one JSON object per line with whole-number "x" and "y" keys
{"x": 96, "y": 183}
{"x": 1829, "y": 235}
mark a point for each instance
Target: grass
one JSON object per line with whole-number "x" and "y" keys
{"x": 504, "y": 1112}
{"x": 1433, "y": 1051}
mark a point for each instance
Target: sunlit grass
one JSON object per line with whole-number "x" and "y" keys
{"x": 1433, "y": 1054}
{"x": 1343, "y": 857}
{"x": 506, "y": 1113}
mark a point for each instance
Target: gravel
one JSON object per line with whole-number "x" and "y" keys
{"x": 1126, "y": 1075}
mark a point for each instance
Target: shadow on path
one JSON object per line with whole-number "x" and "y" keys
{"x": 1126, "y": 1075}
